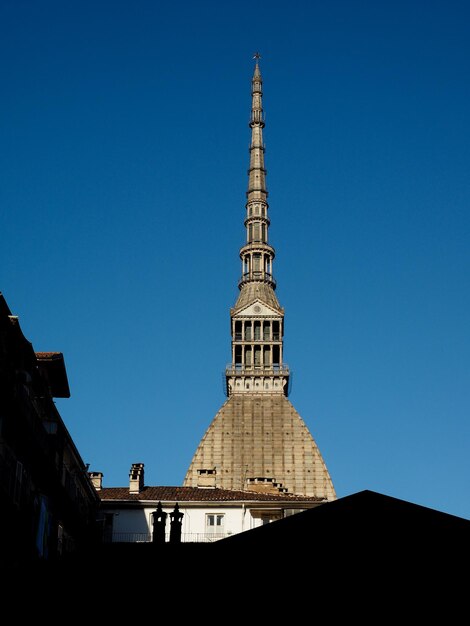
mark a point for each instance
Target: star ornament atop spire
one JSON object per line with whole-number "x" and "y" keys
{"x": 257, "y": 56}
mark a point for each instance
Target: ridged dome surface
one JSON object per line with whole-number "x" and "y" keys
{"x": 261, "y": 436}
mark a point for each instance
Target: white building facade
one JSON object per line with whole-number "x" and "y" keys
{"x": 194, "y": 514}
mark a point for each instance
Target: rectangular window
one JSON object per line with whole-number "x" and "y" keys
{"x": 266, "y": 331}
{"x": 276, "y": 355}
{"x": 215, "y": 523}
{"x": 266, "y": 356}
{"x": 248, "y": 356}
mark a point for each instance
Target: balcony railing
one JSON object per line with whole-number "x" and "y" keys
{"x": 257, "y": 370}
{"x": 257, "y": 275}
{"x": 147, "y": 537}
{"x": 265, "y": 339}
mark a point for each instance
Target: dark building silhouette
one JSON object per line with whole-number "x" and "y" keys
{"x": 366, "y": 525}
{"x": 366, "y": 552}
{"x": 48, "y": 502}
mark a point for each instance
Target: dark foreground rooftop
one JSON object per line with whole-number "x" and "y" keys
{"x": 366, "y": 542}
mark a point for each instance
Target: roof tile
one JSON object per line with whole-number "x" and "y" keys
{"x": 197, "y": 494}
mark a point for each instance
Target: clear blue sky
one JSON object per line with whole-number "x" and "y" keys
{"x": 124, "y": 154}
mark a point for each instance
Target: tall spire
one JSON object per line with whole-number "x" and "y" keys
{"x": 257, "y": 255}
{"x": 257, "y": 318}
{"x": 257, "y": 441}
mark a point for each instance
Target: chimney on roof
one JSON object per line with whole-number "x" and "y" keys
{"x": 136, "y": 478}
{"x": 96, "y": 479}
